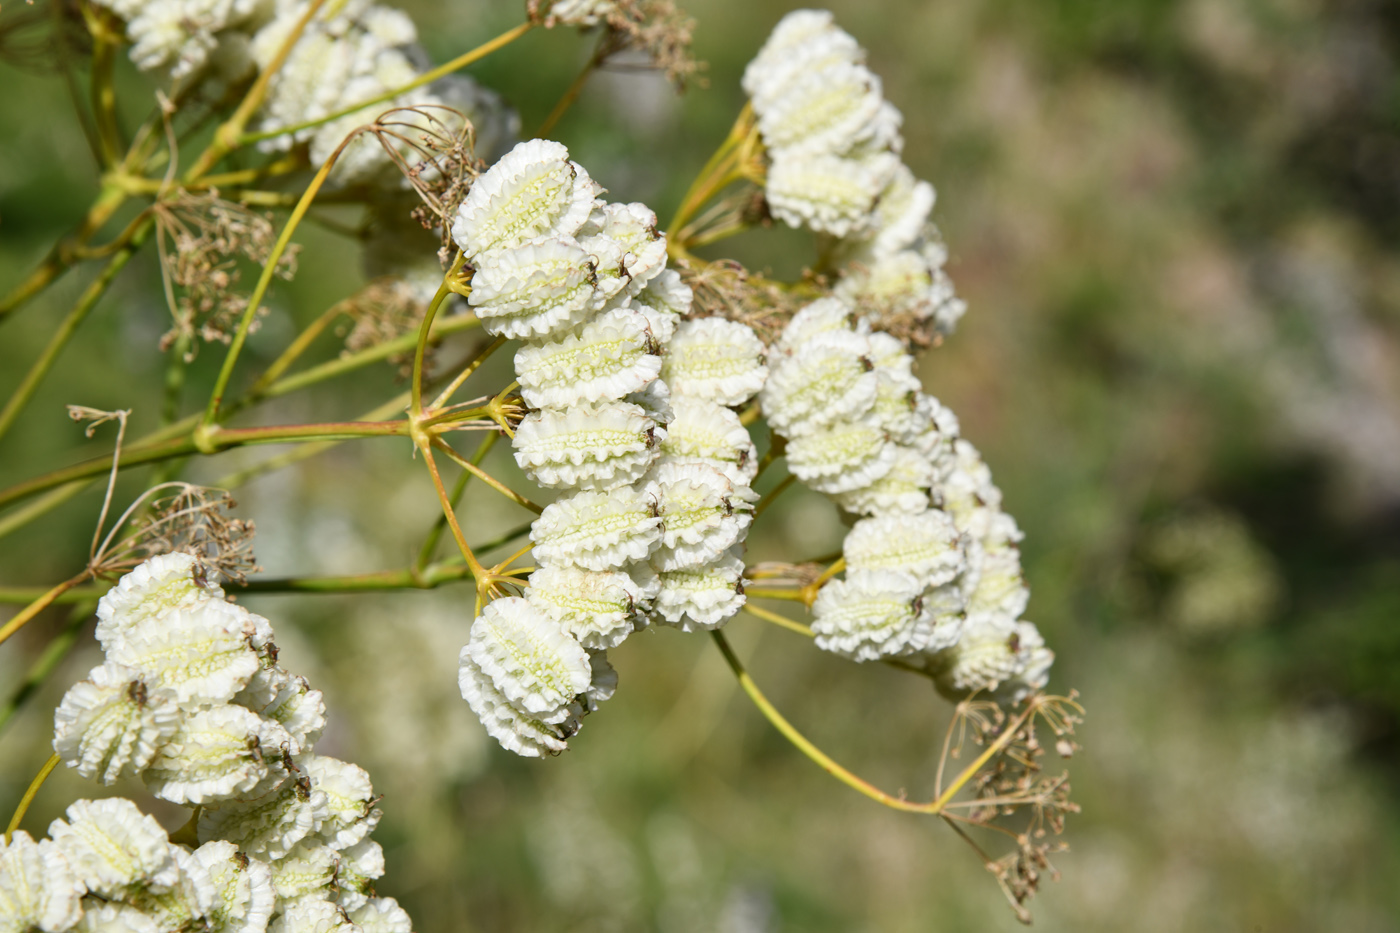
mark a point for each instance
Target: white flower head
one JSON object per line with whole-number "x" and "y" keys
{"x": 702, "y": 598}
{"x": 715, "y": 359}
{"x": 896, "y": 404}
{"x": 827, "y": 193}
{"x": 663, "y": 302}
{"x": 1001, "y": 586}
{"x": 203, "y": 653}
{"x": 995, "y": 655}
{"x": 831, "y": 378}
{"x": 610, "y": 357}
{"x": 925, "y": 546}
{"x": 706, "y": 432}
{"x": 823, "y": 316}
{"x": 904, "y": 490}
{"x": 382, "y": 915}
{"x": 105, "y": 917}
{"x": 289, "y": 701}
{"x": 803, "y": 40}
{"x": 350, "y": 813}
{"x": 112, "y": 723}
{"x": 217, "y": 753}
{"x": 155, "y": 587}
{"x": 901, "y": 284}
{"x": 598, "y": 446}
{"x": 967, "y": 485}
{"x": 537, "y": 666}
{"x": 243, "y": 891}
{"x": 654, "y": 401}
{"x": 267, "y": 827}
{"x": 309, "y": 870}
{"x": 841, "y": 457}
{"x": 38, "y": 888}
{"x": 582, "y": 13}
{"x": 872, "y": 614}
{"x": 533, "y": 291}
{"x": 703, "y": 514}
{"x": 822, "y": 111}
{"x": 626, "y": 247}
{"x": 313, "y": 915}
{"x": 516, "y": 731}
{"x": 534, "y": 192}
{"x": 901, "y": 214}
{"x": 111, "y": 845}
{"x": 597, "y": 530}
{"x": 598, "y": 609}
{"x": 185, "y": 902}
{"x": 360, "y": 865}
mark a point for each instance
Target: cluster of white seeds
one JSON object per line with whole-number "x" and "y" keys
{"x": 933, "y": 575}
{"x": 654, "y": 463}
{"x": 833, "y": 144}
{"x": 190, "y": 698}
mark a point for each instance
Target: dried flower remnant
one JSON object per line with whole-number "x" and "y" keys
{"x": 658, "y": 28}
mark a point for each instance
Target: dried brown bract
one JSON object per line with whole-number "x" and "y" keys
{"x": 434, "y": 146}
{"x": 726, "y": 289}
{"x": 206, "y": 237}
{"x": 658, "y": 28}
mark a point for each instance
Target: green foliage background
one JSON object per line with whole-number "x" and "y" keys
{"x": 1175, "y": 224}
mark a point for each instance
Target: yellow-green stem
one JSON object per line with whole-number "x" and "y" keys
{"x": 847, "y": 777}
{"x": 425, "y": 554}
{"x": 461, "y": 61}
{"x": 782, "y": 621}
{"x": 29, "y": 796}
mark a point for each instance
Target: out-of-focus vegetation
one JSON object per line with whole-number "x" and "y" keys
{"x": 1176, "y": 225}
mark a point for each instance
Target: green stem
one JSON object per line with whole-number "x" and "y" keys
{"x": 428, "y": 77}
{"x": 89, "y": 298}
{"x": 425, "y": 554}
{"x": 576, "y": 88}
{"x": 211, "y": 412}
{"x": 29, "y": 796}
{"x": 22, "y": 618}
{"x": 227, "y": 136}
{"x": 849, "y": 778}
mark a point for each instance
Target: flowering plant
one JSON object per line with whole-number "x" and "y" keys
{"x": 655, "y": 394}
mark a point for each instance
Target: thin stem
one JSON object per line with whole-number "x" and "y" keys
{"x": 29, "y": 795}
{"x": 574, "y": 89}
{"x": 39, "y": 605}
{"x": 66, "y": 251}
{"x": 407, "y": 579}
{"x": 228, "y": 136}
{"x": 694, "y": 197}
{"x": 428, "y": 77}
{"x": 211, "y": 412}
{"x": 466, "y": 372}
{"x": 847, "y": 777}
{"x": 485, "y": 477}
{"x": 425, "y": 330}
{"x": 478, "y": 571}
{"x": 69, "y": 325}
{"x": 425, "y": 554}
{"x": 792, "y": 625}
{"x": 773, "y": 494}
{"x": 104, "y": 98}
{"x": 296, "y": 348}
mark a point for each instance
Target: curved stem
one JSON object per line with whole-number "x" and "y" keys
{"x": 782, "y": 621}
{"x": 693, "y": 199}
{"x": 23, "y": 617}
{"x": 425, "y": 331}
{"x": 478, "y": 571}
{"x": 461, "y": 61}
{"x": 29, "y": 796}
{"x": 485, "y": 477}
{"x": 849, "y": 778}
{"x": 466, "y": 372}
{"x": 773, "y": 494}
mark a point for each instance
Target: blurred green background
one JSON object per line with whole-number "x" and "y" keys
{"x": 1175, "y": 224}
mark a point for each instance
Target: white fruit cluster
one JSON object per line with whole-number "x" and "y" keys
{"x": 933, "y": 575}
{"x": 191, "y": 699}
{"x": 350, "y": 51}
{"x": 833, "y": 144}
{"x": 654, "y": 462}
